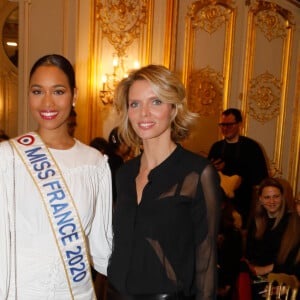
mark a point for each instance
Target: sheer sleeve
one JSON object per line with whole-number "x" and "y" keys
{"x": 206, "y": 252}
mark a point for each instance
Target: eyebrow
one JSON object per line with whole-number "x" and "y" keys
{"x": 54, "y": 86}
{"x": 274, "y": 195}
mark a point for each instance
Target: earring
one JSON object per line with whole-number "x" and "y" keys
{"x": 73, "y": 104}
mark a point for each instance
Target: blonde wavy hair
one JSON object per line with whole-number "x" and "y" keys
{"x": 168, "y": 88}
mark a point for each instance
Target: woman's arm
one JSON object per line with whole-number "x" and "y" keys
{"x": 206, "y": 252}
{"x": 260, "y": 270}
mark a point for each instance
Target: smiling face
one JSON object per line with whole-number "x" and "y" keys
{"x": 50, "y": 97}
{"x": 149, "y": 117}
{"x": 271, "y": 200}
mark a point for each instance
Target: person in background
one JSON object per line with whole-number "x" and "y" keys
{"x": 56, "y": 199}
{"x": 114, "y": 160}
{"x": 100, "y": 144}
{"x": 288, "y": 258}
{"x": 119, "y": 146}
{"x": 3, "y": 136}
{"x": 239, "y": 155}
{"x": 166, "y": 218}
{"x": 72, "y": 122}
{"x": 265, "y": 232}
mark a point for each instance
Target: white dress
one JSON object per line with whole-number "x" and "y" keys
{"x": 39, "y": 270}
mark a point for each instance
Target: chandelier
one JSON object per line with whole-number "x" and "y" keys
{"x": 111, "y": 80}
{"x": 121, "y": 22}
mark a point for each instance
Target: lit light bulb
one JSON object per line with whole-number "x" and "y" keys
{"x": 104, "y": 80}
{"x": 115, "y": 62}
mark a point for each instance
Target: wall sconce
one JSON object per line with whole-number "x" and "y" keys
{"x": 110, "y": 81}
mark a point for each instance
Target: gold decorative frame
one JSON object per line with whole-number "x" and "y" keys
{"x": 205, "y": 94}
{"x": 294, "y": 164}
{"x": 121, "y": 28}
{"x": 171, "y": 32}
{"x": 125, "y": 24}
{"x": 264, "y": 96}
{"x": 121, "y": 21}
{"x": 274, "y": 22}
{"x": 208, "y": 16}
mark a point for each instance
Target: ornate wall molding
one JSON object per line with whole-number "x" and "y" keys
{"x": 120, "y": 39}
{"x": 121, "y": 21}
{"x": 205, "y": 97}
{"x": 264, "y": 97}
{"x": 265, "y": 90}
{"x": 213, "y": 17}
{"x": 294, "y": 163}
{"x": 272, "y": 19}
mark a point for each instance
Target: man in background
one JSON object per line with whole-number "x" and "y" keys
{"x": 239, "y": 155}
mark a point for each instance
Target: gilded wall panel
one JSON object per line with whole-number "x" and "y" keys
{"x": 121, "y": 22}
{"x": 205, "y": 92}
{"x": 123, "y": 30}
{"x": 264, "y": 97}
{"x": 209, "y": 25}
{"x": 209, "y": 38}
{"x": 294, "y": 162}
{"x": 269, "y": 39}
{"x": 121, "y": 39}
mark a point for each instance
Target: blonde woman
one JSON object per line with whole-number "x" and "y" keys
{"x": 168, "y": 198}
{"x": 266, "y": 230}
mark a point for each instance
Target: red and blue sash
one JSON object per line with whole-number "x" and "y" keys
{"x": 61, "y": 211}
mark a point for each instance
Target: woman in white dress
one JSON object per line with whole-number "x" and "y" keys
{"x": 55, "y": 198}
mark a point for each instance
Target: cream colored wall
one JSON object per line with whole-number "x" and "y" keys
{"x": 73, "y": 28}
{"x": 83, "y": 64}
{"x": 46, "y": 27}
{"x": 216, "y": 55}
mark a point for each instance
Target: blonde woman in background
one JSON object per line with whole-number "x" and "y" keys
{"x": 265, "y": 232}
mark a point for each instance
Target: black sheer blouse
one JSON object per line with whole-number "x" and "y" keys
{"x": 167, "y": 243}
